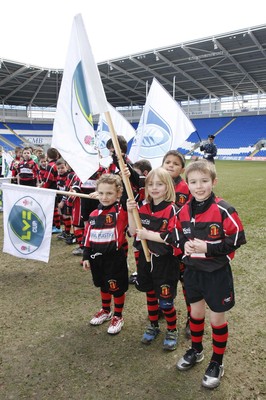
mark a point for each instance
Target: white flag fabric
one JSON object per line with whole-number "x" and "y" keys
{"x": 28, "y": 218}
{"x": 81, "y": 96}
{"x": 163, "y": 126}
{"x": 121, "y": 127}
{"x": 2, "y": 181}
{"x": 6, "y": 162}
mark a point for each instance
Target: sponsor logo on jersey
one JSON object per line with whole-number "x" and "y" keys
{"x": 164, "y": 225}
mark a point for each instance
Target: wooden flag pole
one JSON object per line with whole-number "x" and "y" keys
{"x": 126, "y": 179}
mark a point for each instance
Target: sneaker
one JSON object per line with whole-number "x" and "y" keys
{"x": 100, "y": 317}
{"x": 133, "y": 277}
{"x": 56, "y": 230}
{"x": 189, "y": 359}
{"x": 187, "y": 330}
{"x": 150, "y": 334}
{"x": 170, "y": 341}
{"x": 78, "y": 251}
{"x": 71, "y": 239}
{"x": 116, "y": 325}
{"x": 213, "y": 375}
{"x": 62, "y": 235}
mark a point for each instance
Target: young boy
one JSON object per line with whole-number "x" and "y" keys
{"x": 14, "y": 164}
{"x": 212, "y": 231}
{"x": 50, "y": 182}
{"x": 104, "y": 253}
{"x": 62, "y": 179}
{"x": 28, "y": 170}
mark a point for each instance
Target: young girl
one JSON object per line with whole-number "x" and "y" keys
{"x": 174, "y": 163}
{"x": 159, "y": 277}
{"x": 212, "y": 232}
{"x": 104, "y": 253}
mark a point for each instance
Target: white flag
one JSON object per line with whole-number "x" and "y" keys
{"x": 121, "y": 126}
{"x": 81, "y": 96}
{"x": 28, "y": 218}
{"x": 163, "y": 126}
{"x": 6, "y": 162}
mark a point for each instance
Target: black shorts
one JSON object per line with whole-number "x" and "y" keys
{"x": 110, "y": 272}
{"x": 160, "y": 275}
{"x": 216, "y": 288}
{"x": 87, "y": 206}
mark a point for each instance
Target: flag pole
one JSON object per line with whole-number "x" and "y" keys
{"x": 126, "y": 179}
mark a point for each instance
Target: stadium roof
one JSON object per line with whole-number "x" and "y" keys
{"x": 223, "y": 65}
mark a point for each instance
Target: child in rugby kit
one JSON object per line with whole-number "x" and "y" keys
{"x": 104, "y": 253}
{"x": 159, "y": 277}
{"x": 212, "y": 231}
{"x": 14, "y": 164}
{"x": 62, "y": 180}
{"x": 50, "y": 182}
{"x": 28, "y": 170}
{"x": 174, "y": 163}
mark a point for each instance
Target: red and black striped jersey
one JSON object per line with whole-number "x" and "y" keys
{"x": 50, "y": 177}
{"x": 218, "y": 224}
{"x": 106, "y": 230}
{"x": 182, "y": 192}
{"x": 160, "y": 218}
{"x": 28, "y": 170}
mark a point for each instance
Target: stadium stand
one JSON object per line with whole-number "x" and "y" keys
{"x": 234, "y": 137}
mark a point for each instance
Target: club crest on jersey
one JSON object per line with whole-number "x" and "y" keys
{"x": 164, "y": 225}
{"x": 165, "y": 291}
{"x": 214, "y": 231}
{"x": 113, "y": 285}
{"x": 109, "y": 219}
{"x": 182, "y": 198}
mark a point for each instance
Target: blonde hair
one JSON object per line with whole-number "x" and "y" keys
{"x": 111, "y": 179}
{"x": 203, "y": 166}
{"x": 165, "y": 178}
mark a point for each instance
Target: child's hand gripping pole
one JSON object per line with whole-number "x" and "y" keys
{"x": 126, "y": 179}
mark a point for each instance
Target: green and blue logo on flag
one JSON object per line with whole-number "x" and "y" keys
{"x": 26, "y": 225}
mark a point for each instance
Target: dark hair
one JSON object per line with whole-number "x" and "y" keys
{"x": 176, "y": 154}
{"x": 143, "y": 165}
{"x": 52, "y": 153}
{"x": 122, "y": 143}
{"x": 60, "y": 161}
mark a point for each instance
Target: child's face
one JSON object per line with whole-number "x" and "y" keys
{"x": 108, "y": 194}
{"x": 43, "y": 163}
{"x": 19, "y": 153}
{"x": 173, "y": 165}
{"x": 62, "y": 169}
{"x": 200, "y": 185}
{"x": 26, "y": 154}
{"x": 156, "y": 189}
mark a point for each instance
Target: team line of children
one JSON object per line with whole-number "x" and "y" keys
{"x": 191, "y": 235}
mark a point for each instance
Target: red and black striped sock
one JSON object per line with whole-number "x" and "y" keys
{"x": 219, "y": 341}
{"x": 106, "y": 301}
{"x": 56, "y": 218}
{"x": 197, "y": 331}
{"x": 153, "y": 307}
{"x": 119, "y": 305}
{"x": 170, "y": 317}
{"x": 78, "y": 232}
{"x": 67, "y": 223}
